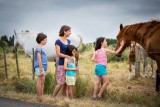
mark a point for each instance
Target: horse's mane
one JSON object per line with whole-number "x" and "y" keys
{"x": 151, "y": 21}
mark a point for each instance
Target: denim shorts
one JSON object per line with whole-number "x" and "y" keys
{"x": 100, "y": 70}
{"x": 38, "y": 73}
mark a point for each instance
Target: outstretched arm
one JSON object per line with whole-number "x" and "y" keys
{"x": 117, "y": 51}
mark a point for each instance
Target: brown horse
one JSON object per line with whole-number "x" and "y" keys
{"x": 132, "y": 49}
{"x": 146, "y": 34}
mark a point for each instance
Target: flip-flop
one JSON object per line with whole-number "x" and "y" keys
{"x": 99, "y": 98}
{"x": 94, "y": 98}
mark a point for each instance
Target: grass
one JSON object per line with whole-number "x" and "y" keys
{"x": 137, "y": 92}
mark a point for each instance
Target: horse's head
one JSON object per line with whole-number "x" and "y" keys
{"x": 132, "y": 47}
{"x": 122, "y": 35}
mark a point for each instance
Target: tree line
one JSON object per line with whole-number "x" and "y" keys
{"x": 5, "y": 41}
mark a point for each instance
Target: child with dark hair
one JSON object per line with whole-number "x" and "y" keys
{"x": 100, "y": 57}
{"x": 70, "y": 68}
{"x": 40, "y": 64}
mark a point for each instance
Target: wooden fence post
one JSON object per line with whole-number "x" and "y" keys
{"x": 17, "y": 63}
{"x": 137, "y": 62}
{"x": 33, "y": 64}
{"x": 5, "y": 63}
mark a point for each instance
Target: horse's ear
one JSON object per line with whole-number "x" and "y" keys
{"x": 121, "y": 26}
{"x": 15, "y": 32}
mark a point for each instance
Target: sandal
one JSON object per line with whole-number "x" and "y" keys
{"x": 94, "y": 98}
{"x": 99, "y": 98}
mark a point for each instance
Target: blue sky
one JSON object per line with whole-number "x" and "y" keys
{"x": 88, "y": 18}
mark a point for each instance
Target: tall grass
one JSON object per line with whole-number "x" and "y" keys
{"x": 141, "y": 90}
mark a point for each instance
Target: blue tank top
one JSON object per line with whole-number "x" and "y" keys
{"x": 71, "y": 65}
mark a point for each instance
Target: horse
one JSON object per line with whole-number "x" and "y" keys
{"x": 28, "y": 42}
{"x": 145, "y": 60}
{"x": 147, "y": 34}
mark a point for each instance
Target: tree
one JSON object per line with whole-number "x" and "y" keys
{"x": 11, "y": 41}
{"x": 4, "y": 38}
{"x": 3, "y": 43}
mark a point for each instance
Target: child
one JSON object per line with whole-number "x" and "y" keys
{"x": 40, "y": 64}
{"x": 61, "y": 44}
{"x": 70, "y": 67}
{"x": 100, "y": 57}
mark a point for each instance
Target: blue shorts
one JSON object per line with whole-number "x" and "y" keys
{"x": 100, "y": 70}
{"x": 38, "y": 73}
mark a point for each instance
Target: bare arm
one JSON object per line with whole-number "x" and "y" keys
{"x": 94, "y": 58}
{"x": 40, "y": 62}
{"x": 60, "y": 54}
{"x": 117, "y": 51}
{"x": 65, "y": 65}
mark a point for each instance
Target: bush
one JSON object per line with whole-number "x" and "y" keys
{"x": 82, "y": 87}
{"x": 25, "y": 85}
{"x": 50, "y": 83}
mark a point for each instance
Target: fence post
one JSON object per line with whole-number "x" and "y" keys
{"x": 33, "y": 64}
{"x": 17, "y": 63}
{"x": 5, "y": 63}
{"x": 137, "y": 62}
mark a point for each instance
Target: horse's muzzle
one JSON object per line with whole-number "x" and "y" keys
{"x": 119, "y": 55}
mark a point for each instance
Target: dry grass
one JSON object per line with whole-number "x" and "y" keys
{"x": 120, "y": 91}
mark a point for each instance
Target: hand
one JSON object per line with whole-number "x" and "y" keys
{"x": 42, "y": 72}
{"x": 122, "y": 43}
{"x": 71, "y": 59}
{"x": 77, "y": 68}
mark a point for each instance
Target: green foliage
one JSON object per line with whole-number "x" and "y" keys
{"x": 50, "y": 83}
{"x": 21, "y": 51}
{"x": 11, "y": 41}
{"x": 86, "y": 47}
{"x": 3, "y": 43}
{"x": 4, "y": 38}
{"x": 111, "y": 41}
{"x": 25, "y": 85}
{"x": 82, "y": 87}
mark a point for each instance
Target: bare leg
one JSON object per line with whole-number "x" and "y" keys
{"x": 39, "y": 87}
{"x": 56, "y": 90}
{"x": 98, "y": 80}
{"x": 43, "y": 80}
{"x": 67, "y": 91}
{"x": 64, "y": 89}
{"x": 71, "y": 91}
{"x": 105, "y": 84}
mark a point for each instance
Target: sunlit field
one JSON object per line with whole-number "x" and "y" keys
{"x": 121, "y": 92}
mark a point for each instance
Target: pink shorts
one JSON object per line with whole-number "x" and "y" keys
{"x": 60, "y": 76}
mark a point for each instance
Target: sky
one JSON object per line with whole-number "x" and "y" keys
{"x": 89, "y": 18}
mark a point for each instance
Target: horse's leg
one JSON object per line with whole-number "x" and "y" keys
{"x": 158, "y": 75}
{"x": 130, "y": 70}
{"x": 145, "y": 66}
{"x": 152, "y": 66}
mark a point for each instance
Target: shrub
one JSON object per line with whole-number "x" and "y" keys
{"x": 82, "y": 87}
{"x": 25, "y": 85}
{"x": 50, "y": 83}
